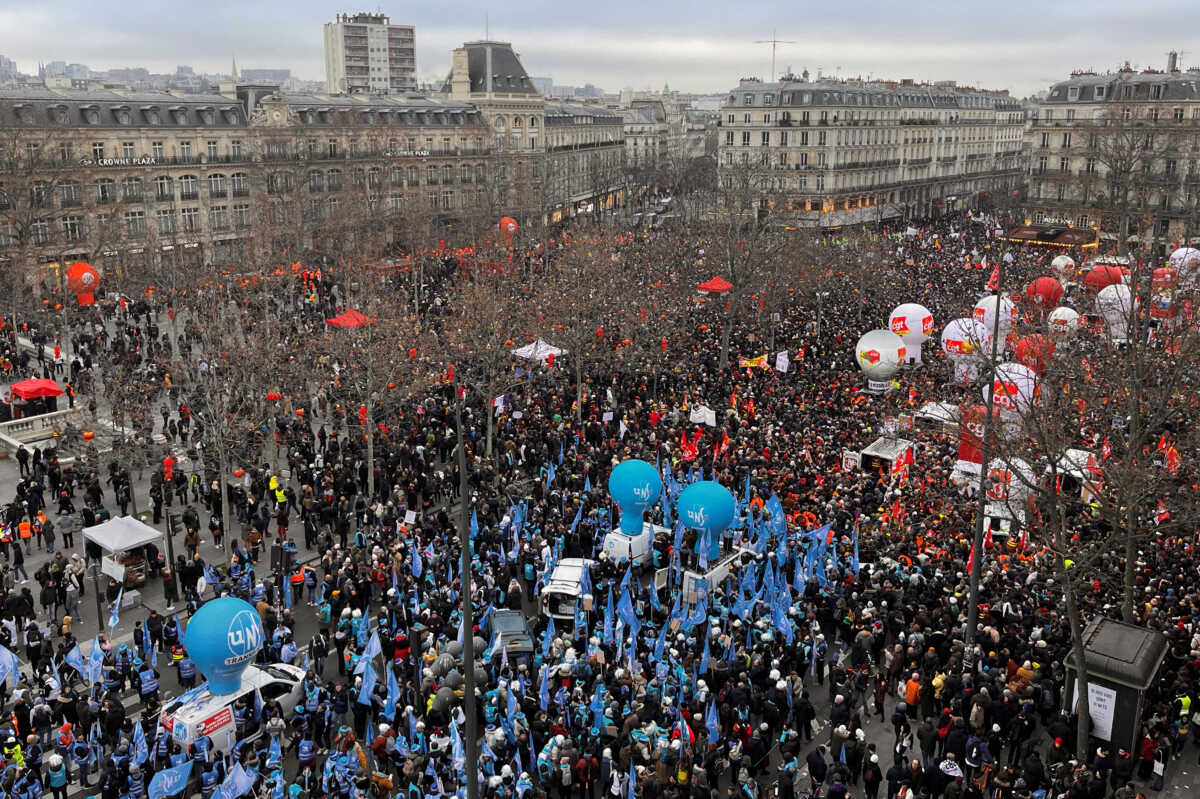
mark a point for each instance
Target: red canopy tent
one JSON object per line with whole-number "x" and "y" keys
{"x": 36, "y": 388}
{"x": 350, "y": 318}
{"x": 718, "y": 285}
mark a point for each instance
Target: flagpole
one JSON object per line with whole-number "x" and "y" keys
{"x": 976, "y": 570}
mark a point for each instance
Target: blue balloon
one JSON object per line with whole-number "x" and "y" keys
{"x": 708, "y": 508}
{"x": 223, "y": 638}
{"x": 634, "y": 485}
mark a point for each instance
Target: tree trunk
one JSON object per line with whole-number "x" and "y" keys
{"x": 727, "y": 334}
{"x": 579, "y": 390}
{"x": 370, "y": 433}
{"x": 222, "y": 470}
{"x": 471, "y": 733}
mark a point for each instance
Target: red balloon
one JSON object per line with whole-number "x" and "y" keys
{"x": 599, "y": 332}
{"x": 1044, "y": 293}
{"x": 412, "y": 353}
{"x": 82, "y": 280}
{"x": 664, "y": 345}
{"x": 1104, "y": 276}
{"x": 1164, "y": 278}
{"x": 550, "y": 360}
{"x": 1034, "y": 351}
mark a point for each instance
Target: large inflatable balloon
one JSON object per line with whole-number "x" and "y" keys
{"x": 1115, "y": 304}
{"x": 1103, "y": 276}
{"x": 1185, "y": 258}
{"x": 1062, "y": 321}
{"x": 1009, "y": 479}
{"x": 1042, "y": 295}
{"x": 82, "y": 280}
{"x": 913, "y": 323}
{"x": 1063, "y": 266}
{"x": 1014, "y": 387}
{"x": 963, "y": 342}
{"x": 223, "y": 637}
{"x": 634, "y": 485}
{"x": 879, "y": 354}
{"x": 985, "y": 313}
{"x": 707, "y": 507}
{"x": 1034, "y": 351}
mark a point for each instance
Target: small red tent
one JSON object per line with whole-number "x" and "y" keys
{"x": 350, "y": 318}
{"x": 36, "y": 389}
{"x": 718, "y": 285}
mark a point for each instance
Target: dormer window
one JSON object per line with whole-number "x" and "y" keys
{"x": 91, "y": 114}
{"x": 122, "y": 116}
{"x": 1073, "y": 93}
{"x": 151, "y": 115}
{"x": 179, "y": 116}
{"x": 206, "y": 116}
{"x": 230, "y": 115}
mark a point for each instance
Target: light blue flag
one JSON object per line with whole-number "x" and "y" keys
{"x": 510, "y": 703}
{"x": 655, "y": 602}
{"x": 659, "y": 643}
{"x": 275, "y": 756}
{"x": 170, "y": 781}
{"x": 393, "y": 693}
{"x": 258, "y": 707}
{"x": 141, "y": 752}
{"x": 549, "y": 636}
{"x": 704, "y": 658}
{"x": 114, "y": 618}
{"x": 543, "y": 689}
{"x": 236, "y": 784}
{"x": 854, "y": 564}
{"x": 474, "y": 523}
{"x": 609, "y": 619}
{"x": 10, "y": 666}
{"x": 368, "y": 684}
{"x": 712, "y": 722}
{"x": 374, "y": 647}
{"x": 632, "y": 794}
{"x": 587, "y": 484}
{"x": 74, "y": 659}
{"x": 458, "y": 755}
{"x": 578, "y": 516}
{"x": 287, "y": 593}
{"x": 417, "y": 567}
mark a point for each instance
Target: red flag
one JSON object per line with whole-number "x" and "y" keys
{"x": 1163, "y": 514}
{"x": 1162, "y": 443}
{"x": 993, "y": 283}
{"x": 1105, "y": 450}
{"x": 971, "y": 560}
{"x": 987, "y": 539}
{"x": 1024, "y": 538}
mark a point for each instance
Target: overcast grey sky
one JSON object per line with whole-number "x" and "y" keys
{"x": 695, "y": 46}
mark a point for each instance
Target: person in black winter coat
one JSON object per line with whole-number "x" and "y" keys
{"x": 817, "y": 767}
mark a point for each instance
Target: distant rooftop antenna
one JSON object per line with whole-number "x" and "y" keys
{"x": 774, "y": 41}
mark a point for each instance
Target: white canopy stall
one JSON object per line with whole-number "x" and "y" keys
{"x": 538, "y": 352}
{"x": 122, "y": 540}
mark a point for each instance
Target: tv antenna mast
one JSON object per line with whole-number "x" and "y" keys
{"x": 774, "y": 41}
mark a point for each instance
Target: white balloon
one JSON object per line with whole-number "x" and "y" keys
{"x": 1009, "y": 479}
{"x": 1185, "y": 256}
{"x": 1063, "y": 266}
{"x": 879, "y": 354}
{"x": 1014, "y": 387}
{"x": 964, "y": 339}
{"x": 1115, "y": 303}
{"x": 985, "y": 313}
{"x": 914, "y": 324}
{"x": 1062, "y": 320}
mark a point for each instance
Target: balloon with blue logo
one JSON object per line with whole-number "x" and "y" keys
{"x": 223, "y": 638}
{"x": 707, "y": 507}
{"x": 634, "y": 485}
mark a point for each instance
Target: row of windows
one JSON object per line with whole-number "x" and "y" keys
{"x": 1154, "y": 114}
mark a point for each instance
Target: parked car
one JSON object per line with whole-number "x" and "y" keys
{"x": 512, "y": 629}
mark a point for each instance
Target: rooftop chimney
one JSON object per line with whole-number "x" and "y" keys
{"x": 1173, "y": 61}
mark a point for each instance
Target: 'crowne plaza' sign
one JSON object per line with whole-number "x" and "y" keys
{"x": 406, "y": 153}
{"x": 144, "y": 160}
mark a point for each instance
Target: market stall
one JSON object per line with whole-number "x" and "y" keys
{"x": 127, "y": 546}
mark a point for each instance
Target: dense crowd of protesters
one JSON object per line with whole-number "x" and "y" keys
{"x": 773, "y": 686}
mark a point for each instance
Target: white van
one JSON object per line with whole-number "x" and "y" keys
{"x": 564, "y": 588}
{"x": 197, "y": 713}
